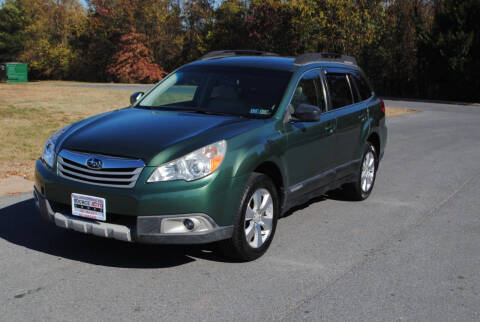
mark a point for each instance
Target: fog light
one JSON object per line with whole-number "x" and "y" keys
{"x": 178, "y": 225}
{"x": 189, "y": 224}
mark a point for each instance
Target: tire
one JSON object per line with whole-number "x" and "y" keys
{"x": 250, "y": 220}
{"x": 361, "y": 188}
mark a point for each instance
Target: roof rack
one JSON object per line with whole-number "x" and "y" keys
{"x": 324, "y": 57}
{"x": 240, "y": 52}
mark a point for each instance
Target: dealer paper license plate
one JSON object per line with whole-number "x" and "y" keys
{"x": 89, "y": 207}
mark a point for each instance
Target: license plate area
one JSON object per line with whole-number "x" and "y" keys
{"x": 89, "y": 207}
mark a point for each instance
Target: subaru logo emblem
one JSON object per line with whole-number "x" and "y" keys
{"x": 95, "y": 164}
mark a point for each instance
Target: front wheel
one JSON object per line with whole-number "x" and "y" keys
{"x": 361, "y": 188}
{"x": 255, "y": 221}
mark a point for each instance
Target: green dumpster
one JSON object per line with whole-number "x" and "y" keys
{"x": 13, "y": 72}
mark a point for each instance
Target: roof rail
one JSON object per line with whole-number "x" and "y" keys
{"x": 230, "y": 53}
{"x": 324, "y": 57}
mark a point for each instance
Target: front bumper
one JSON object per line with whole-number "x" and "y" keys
{"x": 217, "y": 195}
{"x": 145, "y": 229}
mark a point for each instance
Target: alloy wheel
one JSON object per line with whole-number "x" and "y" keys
{"x": 259, "y": 218}
{"x": 368, "y": 172}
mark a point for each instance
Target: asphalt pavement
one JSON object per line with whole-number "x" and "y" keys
{"x": 408, "y": 253}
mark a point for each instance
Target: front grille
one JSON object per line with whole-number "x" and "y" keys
{"x": 115, "y": 172}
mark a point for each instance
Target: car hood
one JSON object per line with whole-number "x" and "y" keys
{"x": 143, "y": 134}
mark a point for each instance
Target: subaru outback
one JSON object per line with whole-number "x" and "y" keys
{"x": 217, "y": 152}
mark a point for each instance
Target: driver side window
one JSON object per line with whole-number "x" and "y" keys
{"x": 309, "y": 91}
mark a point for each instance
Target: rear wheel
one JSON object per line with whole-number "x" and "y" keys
{"x": 255, "y": 221}
{"x": 361, "y": 188}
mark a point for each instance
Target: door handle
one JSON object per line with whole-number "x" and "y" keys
{"x": 362, "y": 116}
{"x": 330, "y": 127}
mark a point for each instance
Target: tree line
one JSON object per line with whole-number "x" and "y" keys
{"x": 409, "y": 48}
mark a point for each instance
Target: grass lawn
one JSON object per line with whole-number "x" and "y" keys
{"x": 31, "y": 112}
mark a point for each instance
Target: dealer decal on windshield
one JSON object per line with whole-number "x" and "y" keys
{"x": 260, "y": 111}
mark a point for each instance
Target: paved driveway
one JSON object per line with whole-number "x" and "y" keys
{"x": 410, "y": 252}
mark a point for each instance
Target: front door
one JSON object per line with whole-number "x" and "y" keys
{"x": 310, "y": 153}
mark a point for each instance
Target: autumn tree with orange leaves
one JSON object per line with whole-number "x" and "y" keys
{"x": 134, "y": 61}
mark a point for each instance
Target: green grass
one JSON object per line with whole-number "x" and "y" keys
{"x": 31, "y": 112}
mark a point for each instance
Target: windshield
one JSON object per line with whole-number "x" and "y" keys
{"x": 249, "y": 92}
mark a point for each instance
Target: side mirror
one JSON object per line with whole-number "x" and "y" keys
{"x": 135, "y": 97}
{"x": 307, "y": 113}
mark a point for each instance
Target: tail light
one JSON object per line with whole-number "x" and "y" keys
{"x": 382, "y": 105}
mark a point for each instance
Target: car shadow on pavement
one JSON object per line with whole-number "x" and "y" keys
{"x": 20, "y": 224}
{"x": 304, "y": 205}
{"x": 336, "y": 194}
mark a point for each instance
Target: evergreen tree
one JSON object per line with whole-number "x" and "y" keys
{"x": 13, "y": 23}
{"x": 453, "y": 51}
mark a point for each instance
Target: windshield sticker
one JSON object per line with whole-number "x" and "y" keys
{"x": 260, "y": 111}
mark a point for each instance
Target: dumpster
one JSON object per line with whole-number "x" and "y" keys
{"x": 13, "y": 72}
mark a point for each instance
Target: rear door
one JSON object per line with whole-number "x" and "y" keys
{"x": 351, "y": 115}
{"x": 310, "y": 153}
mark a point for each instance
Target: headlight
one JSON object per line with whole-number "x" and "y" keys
{"x": 48, "y": 154}
{"x": 195, "y": 165}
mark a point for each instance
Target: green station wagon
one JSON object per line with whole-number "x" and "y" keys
{"x": 217, "y": 152}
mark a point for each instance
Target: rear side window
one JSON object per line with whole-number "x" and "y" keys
{"x": 356, "y": 94}
{"x": 363, "y": 87}
{"x": 339, "y": 88}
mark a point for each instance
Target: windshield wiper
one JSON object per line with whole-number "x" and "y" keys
{"x": 211, "y": 113}
{"x": 146, "y": 107}
{"x": 176, "y": 109}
